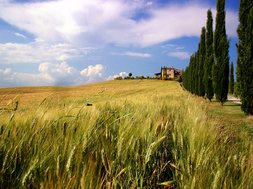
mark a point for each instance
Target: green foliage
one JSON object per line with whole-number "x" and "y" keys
{"x": 190, "y": 76}
{"x": 208, "y": 70}
{"x": 140, "y": 77}
{"x": 202, "y": 57}
{"x": 209, "y": 60}
{"x": 245, "y": 55}
{"x": 221, "y": 46}
{"x": 196, "y": 73}
{"x": 231, "y": 79}
{"x": 186, "y": 79}
{"x": 193, "y": 78}
{"x": 118, "y": 78}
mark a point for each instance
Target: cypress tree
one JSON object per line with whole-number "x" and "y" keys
{"x": 192, "y": 70}
{"x": 231, "y": 78}
{"x": 238, "y": 74}
{"x": 202, "y": 54}
{"x": 245, "y": 55}
{"x": 195, "y": 74}
{"x": 221, "y": 46}
{"x": 208, "y": 81}
{"x": 241, "y": 31}
{"x": 186, "y": 79}
{"x": 214, "y": 76}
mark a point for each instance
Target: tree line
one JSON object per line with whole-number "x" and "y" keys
{"x": 209, "y": 73}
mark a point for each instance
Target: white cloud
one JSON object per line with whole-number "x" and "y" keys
{"x": 175, "y": 51}
{"x": 149, "y": 3}
{"x": 110, "y": 78}
{"x": 12, "y": 79}
{"x": 121, "y": 74}
{"x": 39, "y": 52}
{"x": 232, "y": 22}
{"x": 93, "y": 73}
{"x": 20, "y": 35}
{"x": 52, "y": 74}
{"x": 5, "y": 72}
{"x": 134, "y": 54}
{"x": 99, "y": 22}
{"x": 58, "y": 74}
{"x": 180, "y": 48}
{"x": 180, "y": 55}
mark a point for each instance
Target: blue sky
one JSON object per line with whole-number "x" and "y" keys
{"x": 82, "y": 41}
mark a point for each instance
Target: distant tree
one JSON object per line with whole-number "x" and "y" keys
{"x": 231, "y": 79}
{"x": 221, "y": 46}
{"x": 130, "y": 75}
{"x": 118, "y": 78}
{"x": 142, "y": 77}
{"x": 209, "y": 60}
{"x": 202, "y": 55}
{"x": 245, "y": 55}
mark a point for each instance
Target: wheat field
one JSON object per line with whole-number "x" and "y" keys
{"x": 117, "y": 134}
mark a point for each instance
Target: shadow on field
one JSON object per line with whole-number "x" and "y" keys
{"x": 232, "y": 105}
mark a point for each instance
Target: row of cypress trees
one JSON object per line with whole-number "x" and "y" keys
{"x": 244, "y": 72}
{"x": 208, "y": 70}
{"x": 193, "y": 78}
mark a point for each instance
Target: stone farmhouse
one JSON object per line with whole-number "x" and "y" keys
{"x": 169, "y": 73}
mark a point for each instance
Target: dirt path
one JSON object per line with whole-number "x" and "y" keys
{"x": 234, "y": 99}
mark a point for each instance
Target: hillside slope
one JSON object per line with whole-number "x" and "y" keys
{"x": 140, "y": 133}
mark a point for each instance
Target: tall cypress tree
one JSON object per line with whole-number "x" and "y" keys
{"x": 245, "y": 55}
{"x": 214, "y": 76}
{"x": 221, "y": 46}
{"x": 209, "y": 61}
{"x": 231, "y": 78}
{"x": 202, "y": 55}
{"x": 192, "y": 65}
{"x": 190, "y": 77}
{"x": 241, "y": 31}
{"x": 186, "y": 76}
{"x": 196, "y": 71}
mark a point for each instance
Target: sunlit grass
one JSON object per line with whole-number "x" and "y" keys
{"x": 143, "y": 134}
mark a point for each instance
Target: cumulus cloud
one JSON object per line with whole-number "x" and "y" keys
{"x": 39, "y": 52}
{"x": 105, "y": 22}
{"x": 67, "y": 29}
{"x": 93, "y": 73}
{"x": 121, "y": 74}
{"x": 52, "y": 74}
{"x": 58, "y": 74}
{"x": 10, "y": 78}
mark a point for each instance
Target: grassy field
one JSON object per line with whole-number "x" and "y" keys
{"x": 231, "y": 115}
{"x": 122, "y": 134}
